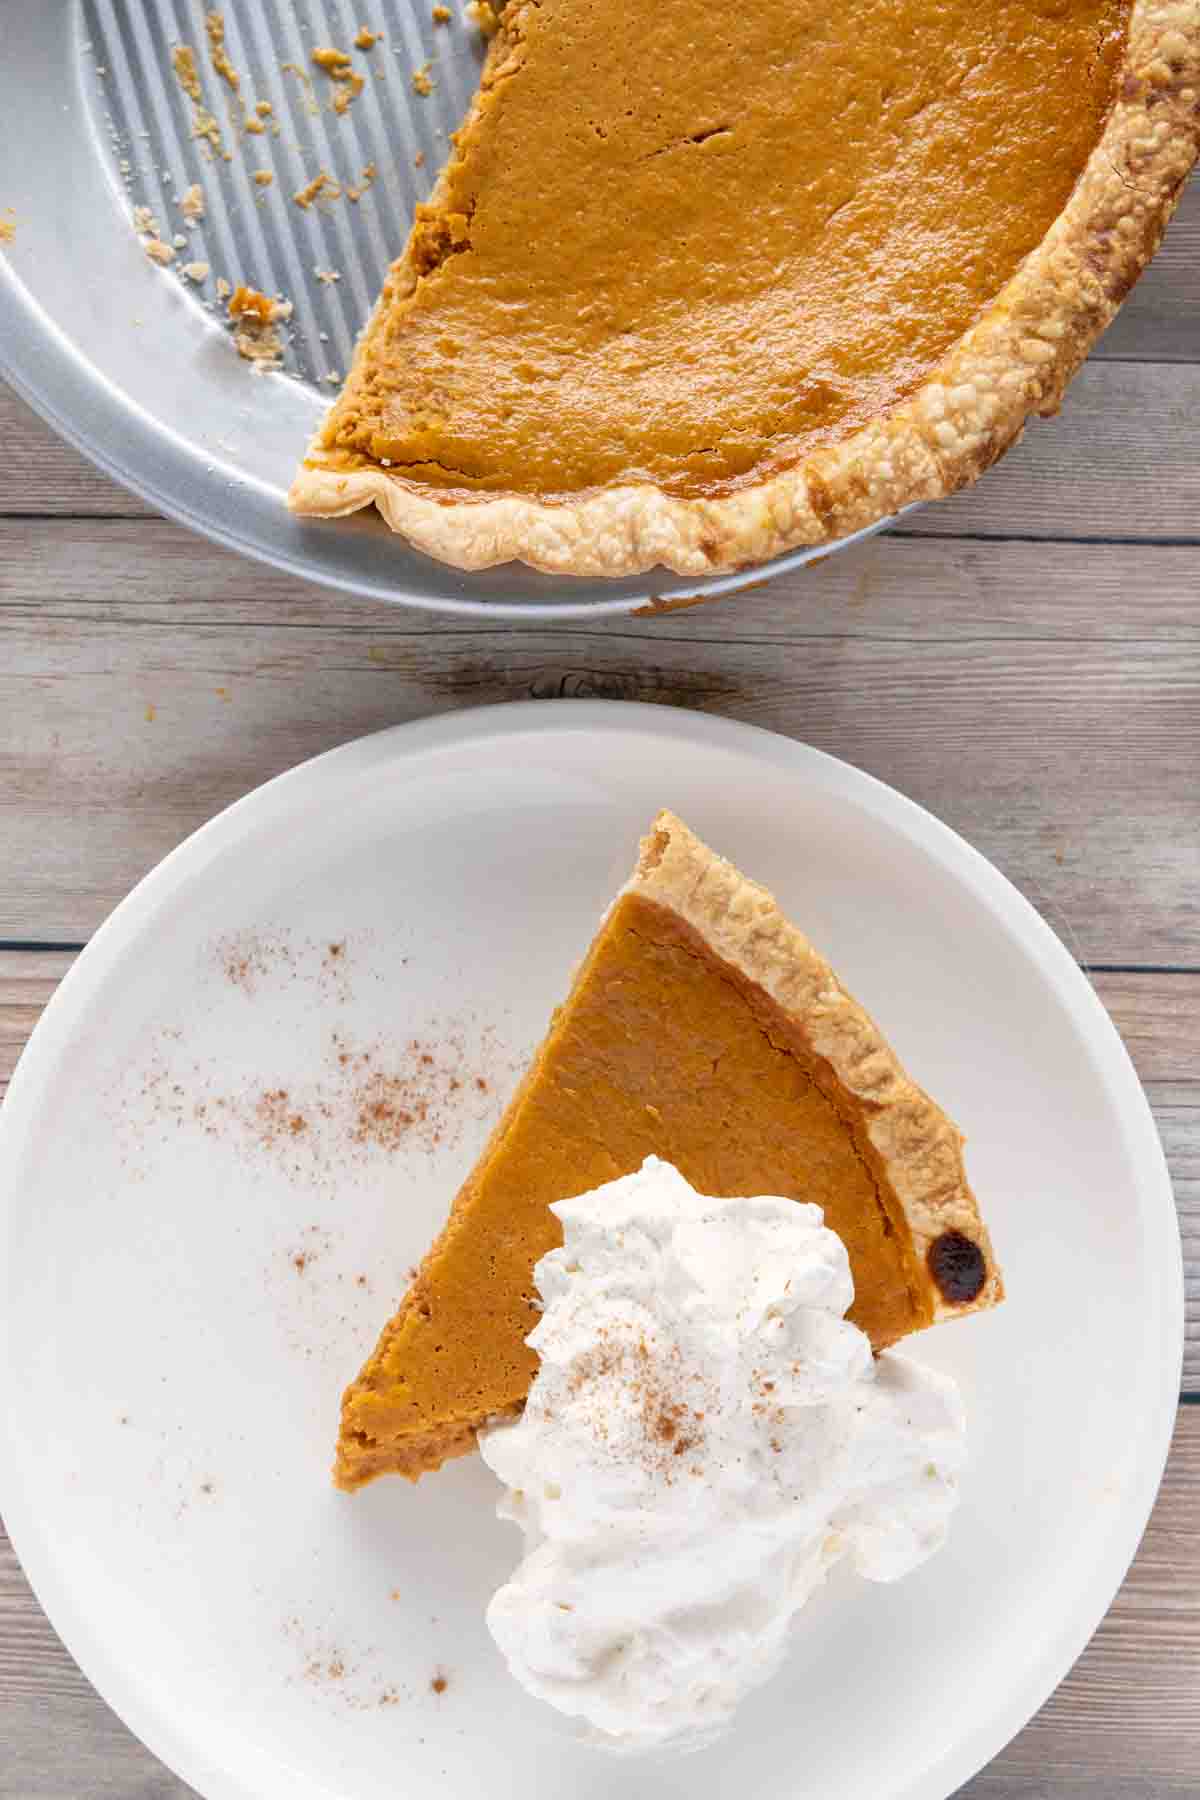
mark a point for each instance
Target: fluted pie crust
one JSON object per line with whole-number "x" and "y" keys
{"x": 704, "y": 1028}
{"x": 733, "y": 502}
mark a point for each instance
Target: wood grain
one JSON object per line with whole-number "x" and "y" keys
{"x": 154, "y": 573}
{"x": 136, "y": 708}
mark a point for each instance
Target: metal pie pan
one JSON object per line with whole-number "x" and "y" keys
{"x": 130, "y": 362}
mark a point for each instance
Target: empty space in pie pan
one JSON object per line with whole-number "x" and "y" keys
{"x": 133, "y": 361}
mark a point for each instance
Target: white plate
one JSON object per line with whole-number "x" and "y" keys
{"x": 179, "y": 1288}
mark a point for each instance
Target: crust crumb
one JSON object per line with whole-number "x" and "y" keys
{"x": 214, "y": 24}
{"x": 191, "y": 203}
{"x": 422, "y": 82}
{"x": 336, "y": 64}
{"x": 322, "y": 186}
{"x": 484, "y": 16}
{"x": 204, "y": 126}
{"x": 355, "y": 194}
{"x": 183, "y": 61}
{"x": 247, "y": 302}
{"x": 256, "y": 317}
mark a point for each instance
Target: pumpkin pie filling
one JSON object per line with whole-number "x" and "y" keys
{"x": 667, "y": 1047}
{"x": 684, "y": 245}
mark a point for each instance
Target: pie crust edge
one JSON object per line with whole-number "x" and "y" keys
{"x": 922, "y": 1150}
{"x": 1015, "y": 361}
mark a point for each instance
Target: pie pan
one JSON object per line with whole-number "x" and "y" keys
{"x": 126, "y": 359}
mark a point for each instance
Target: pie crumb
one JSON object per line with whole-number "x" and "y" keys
{"x": 8, "y": 227}
{"x": 157, "y": 251}
{"x": 224, "y": 288}
{"x": 183, "y": 61}
{"x": 484, "y": 17}
{"x": 195, "y": 271}
{"x": 191, "y": 202}
{"x": 263, "y": 178}
{"x": 328, "y": 276}
{"x": 336, "y": 64}
{"x": 367, "y": 39}
{"x": 264, "y": 109}
{"x": 248, "y": 301}
{"x": 256, "y": 340}
{"x": 355, "y": 194}
{"x": 442, "y": 15}
{"x": 421, "y": 81}
{"x": 321, "y": 186}
{"x": 214, "y": 24}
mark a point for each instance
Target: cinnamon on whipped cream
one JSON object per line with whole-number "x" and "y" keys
{"x": 706, "y": 1437}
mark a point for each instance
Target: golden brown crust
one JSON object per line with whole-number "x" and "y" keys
{"x": 919, "y": 1146}
{"x": 1014, "y": 362}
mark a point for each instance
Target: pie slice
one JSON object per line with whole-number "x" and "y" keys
{"x": 705, "y": 1029}
{"x": 700, "y": 283}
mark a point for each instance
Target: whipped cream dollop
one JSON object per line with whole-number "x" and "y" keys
{"x": 706, "y": 1437}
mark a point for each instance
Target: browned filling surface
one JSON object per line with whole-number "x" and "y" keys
{"x": 686, "y": 244}
{"x": 661, "y": 1050}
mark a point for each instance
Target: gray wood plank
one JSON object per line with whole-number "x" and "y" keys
{"x": 1124, "y": 1725}
{"x": 152, "y": 572}
{"x": 41, "y": 475}
{"x": 1070, "y": 763}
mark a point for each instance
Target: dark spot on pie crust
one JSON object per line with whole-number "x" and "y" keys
{"x": 958, "y": 1267}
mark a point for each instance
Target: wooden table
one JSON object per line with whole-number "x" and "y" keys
{"x": 1024, "y": 660}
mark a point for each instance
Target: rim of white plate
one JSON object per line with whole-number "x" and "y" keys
{"x": 968, "y": 867}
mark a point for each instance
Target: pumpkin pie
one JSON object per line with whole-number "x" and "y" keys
{"x": 699, "y": 284}
{"x": 702, "y": 1028}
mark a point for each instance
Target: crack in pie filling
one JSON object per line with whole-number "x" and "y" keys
{"x": 700, "y": 284}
